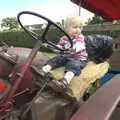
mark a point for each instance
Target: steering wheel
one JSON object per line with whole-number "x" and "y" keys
{"x": 42, "y": 37}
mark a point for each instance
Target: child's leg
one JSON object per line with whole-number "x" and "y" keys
{"x": 55, "y": 62}
{"x": 62, "y": 85}
{"x": 73, "y": 68}
{"x": 68, "y": 76}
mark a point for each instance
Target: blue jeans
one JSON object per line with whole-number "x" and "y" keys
{"x": 70, "y": 65}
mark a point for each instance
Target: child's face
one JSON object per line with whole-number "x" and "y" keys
{"x": 74, "y": 30}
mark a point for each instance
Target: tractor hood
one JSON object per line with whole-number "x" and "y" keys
{"x": 108, "y": 9}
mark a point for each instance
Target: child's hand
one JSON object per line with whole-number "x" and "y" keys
{"x": 67, "y": 46}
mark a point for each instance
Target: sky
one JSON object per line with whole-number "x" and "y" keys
{"x": 55, "y": 10}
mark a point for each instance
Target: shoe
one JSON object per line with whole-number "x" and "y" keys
{"x": 63, "y": 84}
{"x": 59, "y": 86}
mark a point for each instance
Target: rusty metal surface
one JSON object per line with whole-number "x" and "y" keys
{"x": 5, "y": 68}
{"x": 51, "y": 107}
{"x": 23, "y": 54}
{"x": 102, "y": 104}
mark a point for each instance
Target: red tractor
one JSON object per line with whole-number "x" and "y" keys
{"x": 26, "y": 94}
{"x": 21, "y": 82}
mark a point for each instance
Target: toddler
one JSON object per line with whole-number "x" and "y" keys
{"x": 76, "y": 60}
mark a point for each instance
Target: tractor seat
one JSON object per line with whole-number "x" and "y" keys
{"x": 5, "y": 87}
{"x": 88, "y": 76}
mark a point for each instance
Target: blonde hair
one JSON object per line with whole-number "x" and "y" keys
{"x": 76, "y": 20}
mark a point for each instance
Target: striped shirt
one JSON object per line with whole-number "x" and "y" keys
{"x": 78, "y": 51}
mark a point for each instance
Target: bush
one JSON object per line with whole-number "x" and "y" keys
{"x": 21, "y": 39}
{"x": 17, "y": 38}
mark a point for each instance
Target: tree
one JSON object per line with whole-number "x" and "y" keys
{"x": 96, "y": 20}
{"x": 9, "y": 23}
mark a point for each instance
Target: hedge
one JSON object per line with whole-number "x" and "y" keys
{"x": 16, "y": 38}
{"x": 21, "y": 39}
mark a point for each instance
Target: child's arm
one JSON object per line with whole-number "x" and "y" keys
{"x": 63, "y": 42}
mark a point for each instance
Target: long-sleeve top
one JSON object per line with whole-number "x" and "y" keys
{"x": 78, "y": 51}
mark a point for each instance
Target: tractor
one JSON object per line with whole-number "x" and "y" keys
{"x": 27, "y": 94}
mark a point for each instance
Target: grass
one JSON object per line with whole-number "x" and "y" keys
{"x": 50, "y": 55}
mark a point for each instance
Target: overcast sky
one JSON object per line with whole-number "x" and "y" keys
{"x": 53, "y": 9}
